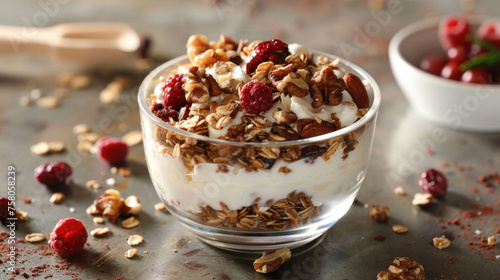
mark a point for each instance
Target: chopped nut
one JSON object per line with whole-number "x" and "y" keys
{"x": 124, "y": 171}
{"x": 131, "y": 253}
{"x": 48, "y": 102}
{"x": 93, "y": 184}
{"x": 57, "y": 198}
{"x": 92, "y": 210}
{"x": 160, "y": 206}
{"x": 399, "y": 229}
{"x": 81, "y": 128}
{"x": 399, "y": 191}
{"x": 422, "y": 199}
{"x": 60, "y": 92}
{"x": 64, "y": 78}
{"x": 272, "y": 260}
{"x": 492, "y": 240}
{"x": 130, "y": 222}
{"x": 441, "y": 242}
{"x": 25, "y": 101}
{"x": 403, "y": 269}
{"x": 378, "y": 214}
{"x": 132, "y": 206}
{"x": 84, "y": 146}
{"x": 34, "y": 237}
{"x": 56, "y": 146}
{"x": 134, "y": 240}
{"x": 21, "y": 215}
{"x": 98, "y": 220}
{"x": 41, "y": 148}
{"x": 80, "y": 81}
{"x": 99, "y": 231}
{"x": 132, "y": 138}
{"x": 91, "y": 137}
{"x": 108, "y": 204}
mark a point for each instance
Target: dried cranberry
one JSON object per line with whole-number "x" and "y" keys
{"x": 112, "y": 150}
{"x": 166, "y": 113}
{"x": 156, "y": 107}
{"x": 173, "y": 94}
{"x": 273, "y": 50}
{"x": 433, "y": 182}
{"x": 4, "y": 209}
{"x": 184, "y": 112}
{"x": 68, "y": 237}
{"x": 53, "y": 174}
{"x": 256, "y": 97}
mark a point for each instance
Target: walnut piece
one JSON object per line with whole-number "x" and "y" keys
{"x": 403, "y": 269}
{"x": 326, "y": 87}
{"x": 422, "y": 199}
{"x": 441, "y": 242}
{"x": 285, "y": 80}
{"x": 272, "y": 260}
{"x": 378, "y": 214}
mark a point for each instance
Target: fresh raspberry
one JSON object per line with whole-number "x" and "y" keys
{"x": 433, "y": 65}
{"x": 173, "y": 94}
{"x": 68, "y": 237}
{"x": 453, "y": 32}
{"x": 112, "y": 150}
{"x": 274, "y": 50}
{"x": 433, "y": 182}
{"x": 476, "y": 76}
{"x": 4, "y": 210}
{"x": 53, "y": 174}
{"x": 256, "y": 97}
{"x": 451, "y": 71}
{"x": 490, "y": 32}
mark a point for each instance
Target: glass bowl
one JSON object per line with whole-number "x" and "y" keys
{"x": 256, "y": 197}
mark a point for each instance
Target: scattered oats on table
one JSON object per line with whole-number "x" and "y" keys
{"x": 131, "y": 253}
{"x": 399, "y": 229}
{"x": 441, "y": 242}
{"x": 130, "y": 222}
{"x": 99, "y": 231}
{"x": 160, "y": 206}
{"x": 134, "y": 240}
{"x": 272, "y": 260}
{"x": 57, "y": 198}
{"x": 48, "y": 102}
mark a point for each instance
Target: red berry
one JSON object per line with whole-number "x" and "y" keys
{"x": 112, "y": 150}
{"x": 451, "y": 71}
{"x": 453, "y": 32}
{"x": 5, "y": 212}
{"x": 68, "y": 237}
{"x": 274, "y": 50}
{"x": 433, "y": 182}
{"x": 476, "y": 50}
{"x": 53, "y": 174}
{"x": 173, "y": 94}
{"x": 256, "y": 97}
{"x": 476, "y": 76}
{"x": 490, "y": 32}
{"x": 432, "y": 65}
{"x": 457, "y": 54}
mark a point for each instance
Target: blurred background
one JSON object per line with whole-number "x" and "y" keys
{"x": 329, "y": 26}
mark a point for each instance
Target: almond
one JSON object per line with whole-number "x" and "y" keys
{"x": 308, "y": 128}
{"x": 357, "y": 90}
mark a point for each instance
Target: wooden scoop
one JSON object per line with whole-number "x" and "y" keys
{"x": 74, "y": 43}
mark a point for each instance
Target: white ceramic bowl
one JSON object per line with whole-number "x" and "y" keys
{"x": 444, "y": 102}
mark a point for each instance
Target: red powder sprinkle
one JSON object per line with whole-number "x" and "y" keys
{"x": 474, "y": 189}
{"x": 26, "y": 200}
{"x": 379, "y": 237}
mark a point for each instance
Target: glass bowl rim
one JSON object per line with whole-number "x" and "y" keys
{"x": 343, "y": 131}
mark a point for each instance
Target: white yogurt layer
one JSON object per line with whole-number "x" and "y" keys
{"x": 326, "y": 181}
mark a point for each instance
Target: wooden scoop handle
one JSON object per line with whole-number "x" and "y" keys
{"x": 16, "y": 40}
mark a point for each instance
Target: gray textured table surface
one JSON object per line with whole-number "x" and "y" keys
{"x": 348, "y": 250}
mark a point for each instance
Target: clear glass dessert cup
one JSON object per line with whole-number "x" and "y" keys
{"x": 288, "y": 195}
